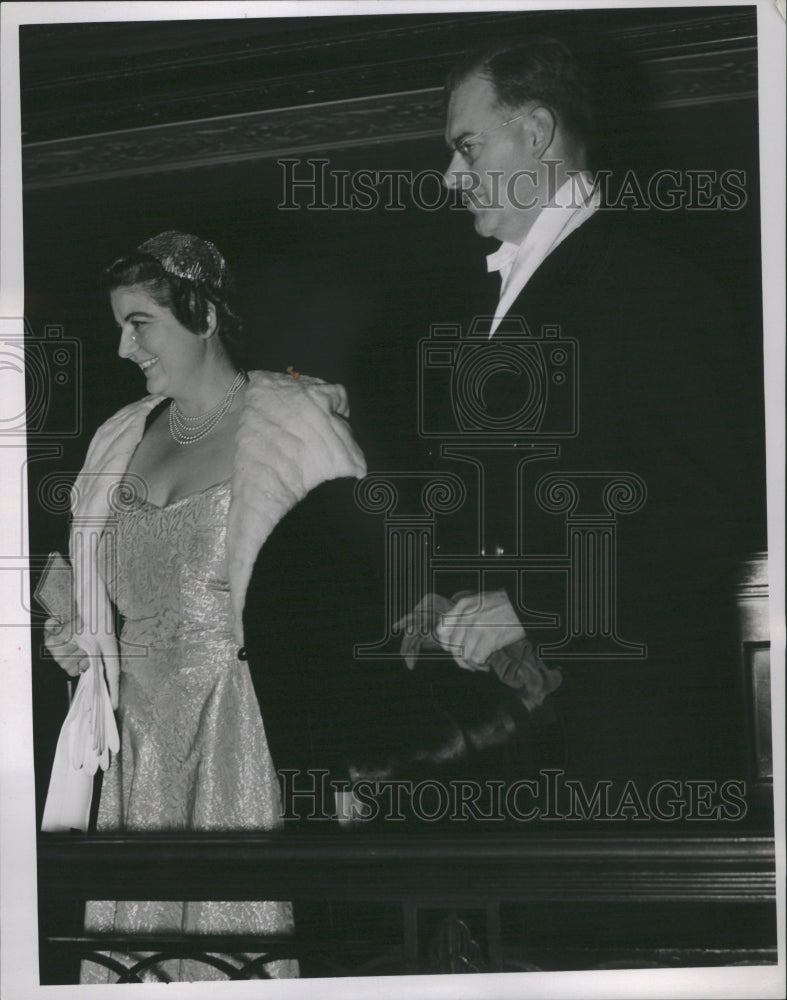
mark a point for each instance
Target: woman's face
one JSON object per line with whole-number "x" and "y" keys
{"x": 168, "y": 354}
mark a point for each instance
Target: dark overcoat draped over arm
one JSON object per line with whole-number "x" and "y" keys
{"x": 316, "y": 592}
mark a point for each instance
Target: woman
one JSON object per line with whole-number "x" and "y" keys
{"x": 188, "y": 483}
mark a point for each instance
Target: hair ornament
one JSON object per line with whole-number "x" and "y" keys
{"x": 189, "y": 257}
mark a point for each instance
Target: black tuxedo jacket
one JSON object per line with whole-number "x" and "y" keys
{"x": 663, "y": 393}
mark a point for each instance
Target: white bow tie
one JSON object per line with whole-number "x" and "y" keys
{"x": 502, "y": 258}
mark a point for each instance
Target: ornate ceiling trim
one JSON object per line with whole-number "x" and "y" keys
{"x": 704, "y": 78}
{"x": 721, "y": 75}
{"x": 232, "y": 139}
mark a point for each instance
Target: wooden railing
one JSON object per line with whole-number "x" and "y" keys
{"x": 368, "y": 903}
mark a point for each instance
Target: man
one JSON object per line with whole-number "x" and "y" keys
{"x": 501, "y": 167}
{"x": 657, "y": 380}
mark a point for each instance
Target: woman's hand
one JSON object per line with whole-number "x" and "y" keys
{"x": 68, "y": 655}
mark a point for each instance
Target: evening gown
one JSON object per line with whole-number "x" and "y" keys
{"x": 193, "y": 754}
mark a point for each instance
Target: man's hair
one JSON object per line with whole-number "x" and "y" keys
{"x": 539, "y": 69}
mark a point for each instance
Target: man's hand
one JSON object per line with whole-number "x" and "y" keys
{"x": 478, "y": 626}
{"x": 72, "y": 658}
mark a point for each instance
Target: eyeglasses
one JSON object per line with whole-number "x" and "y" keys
{"x": 465, "y": 146}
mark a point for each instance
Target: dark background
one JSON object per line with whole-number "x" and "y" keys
{"x": 347, "y": 295}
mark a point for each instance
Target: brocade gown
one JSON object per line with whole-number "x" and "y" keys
{"x": 193, "y": 754}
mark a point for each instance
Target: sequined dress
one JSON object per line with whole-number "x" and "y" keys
{"x": 193, "y": 754}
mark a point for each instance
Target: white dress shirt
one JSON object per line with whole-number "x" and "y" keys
{"x": 572, "y": 205}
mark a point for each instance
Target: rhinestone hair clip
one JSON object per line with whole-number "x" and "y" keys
{"x": 189, "y": 257}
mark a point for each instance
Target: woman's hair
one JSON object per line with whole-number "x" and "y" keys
{"x": 184, "y": 273}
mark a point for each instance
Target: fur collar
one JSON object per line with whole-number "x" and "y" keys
{"x": 292, "y": 436}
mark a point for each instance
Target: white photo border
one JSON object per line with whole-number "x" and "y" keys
{"x": 19, "y": 929}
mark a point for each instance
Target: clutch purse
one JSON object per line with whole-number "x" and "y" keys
{"x": 55, "y": 588}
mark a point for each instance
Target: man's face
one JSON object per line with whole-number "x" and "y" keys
{"x": 495, "y": 170}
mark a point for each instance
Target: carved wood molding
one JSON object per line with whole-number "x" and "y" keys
{"x": 89, "y": 78}
{"x": 236, "y": 138}
{"x": 404, "y": 117}
{"x": 712, "y": 869}
{"x": 706, "y": 78}
{"x": 455, "y": 904}
{"x": 714, "y": 74}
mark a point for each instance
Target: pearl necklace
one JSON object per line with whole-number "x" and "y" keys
{"x": 188, "y": 430}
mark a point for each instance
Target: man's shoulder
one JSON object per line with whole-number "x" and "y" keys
{"x": 613, "y": 256}
{"x": 622, "y": 240}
